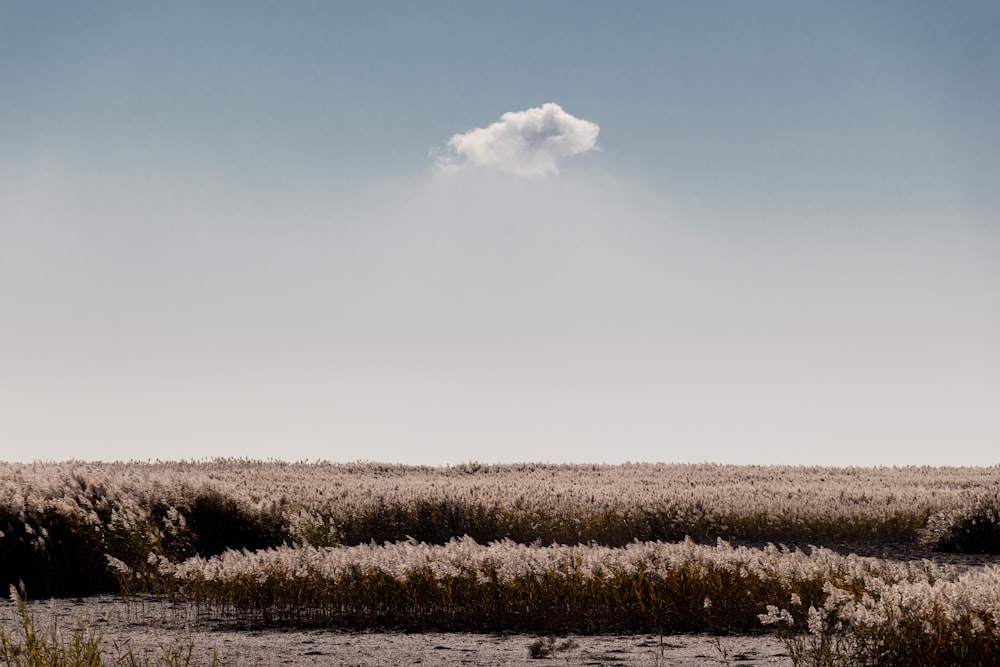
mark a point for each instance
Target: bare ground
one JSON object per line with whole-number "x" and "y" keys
{"x": 153, "y": 627}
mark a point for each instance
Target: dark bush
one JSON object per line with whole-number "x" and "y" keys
{"x": 218, "y": 523}
{"x": 972, "y": 527}
{"x": 52, "y": 555}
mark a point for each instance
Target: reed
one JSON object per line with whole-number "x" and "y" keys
{"x": 536, "y": 548}
{"x": 59, "y": 521}
{"x": 833, "y": 609}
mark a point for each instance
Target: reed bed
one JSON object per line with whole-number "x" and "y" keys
{"x": 539, "y": 548}
{"x": 505, "y": 586}
{"x": 58, "y": 521}
{"x": 832, "y": 608}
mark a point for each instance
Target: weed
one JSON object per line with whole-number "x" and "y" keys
{"x": 547, "y": 647}
{"x": 29, "y": 645}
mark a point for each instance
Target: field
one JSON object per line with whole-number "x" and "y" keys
{"x": 844, "y": 565}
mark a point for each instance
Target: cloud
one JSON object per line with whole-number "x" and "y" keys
{"x": 527, "y": 143}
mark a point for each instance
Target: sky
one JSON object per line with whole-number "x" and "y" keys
{"x": 437, "y": 232}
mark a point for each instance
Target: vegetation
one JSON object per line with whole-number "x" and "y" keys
{"x": 970, "y": 526}
{"x": 833, "y": 608}
{"x": 28, "y": 645}
{"x": 535, "y": 548}
{"x": 58, "y": 521}
{"x": 546, "y": 647}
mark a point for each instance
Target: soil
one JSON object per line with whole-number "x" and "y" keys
{"x": 150, "y": 628}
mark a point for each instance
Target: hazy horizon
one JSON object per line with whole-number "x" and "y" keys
{"x": 436, "y": 233}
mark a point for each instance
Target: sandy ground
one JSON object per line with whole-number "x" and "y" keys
{"x": 155, "y": 626}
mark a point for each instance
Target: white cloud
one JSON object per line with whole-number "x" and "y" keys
{"x": 527, "y": 143}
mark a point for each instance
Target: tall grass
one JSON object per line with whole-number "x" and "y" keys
{"x": 970, "y": 526}
{"x": 539, "y": 548}
{"x": 504, "y": 586}
{"x": 59, "y": 521}
{"x": 833, "y": 609}
{"x": 940, "y": 621}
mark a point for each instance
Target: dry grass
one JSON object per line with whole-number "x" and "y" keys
{"x": 539, "y": 548}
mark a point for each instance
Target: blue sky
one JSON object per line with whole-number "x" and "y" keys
{"x": 303, "y": 231}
